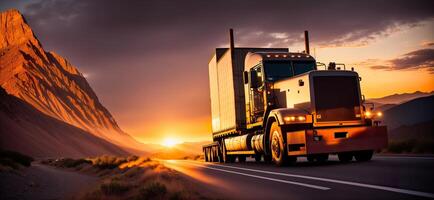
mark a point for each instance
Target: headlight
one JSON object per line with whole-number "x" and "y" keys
{"x": 379, "y": 114}
{"x": 294, "y": 119}
{"x": 368, "y": 114}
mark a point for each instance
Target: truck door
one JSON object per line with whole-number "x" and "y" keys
{"x": 256, "y": 96}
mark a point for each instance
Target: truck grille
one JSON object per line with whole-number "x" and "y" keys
{"x": 336, "y": 98}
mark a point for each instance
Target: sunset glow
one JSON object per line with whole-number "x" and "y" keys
{"x": 170, "y": 142}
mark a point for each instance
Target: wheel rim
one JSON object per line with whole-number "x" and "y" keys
{"x": 275, "y": 145}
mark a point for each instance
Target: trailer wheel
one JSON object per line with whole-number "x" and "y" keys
{"x": 363, "y": 155}
{"x": 345, "y": 156}
{"x": 225, "y": 157}
{"x": 278, "y": 149}
{"x": 268, "y": 158}
{"x": 241, "y": 159}
{"x": 205, "y": 155}
{"x": 258, "y": 157}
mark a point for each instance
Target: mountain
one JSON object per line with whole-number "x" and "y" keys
{"x": 51, "y": 85}
{"x": 413, "y": 112}
{"x": 29, "y": 131}
{"x": 399, "y": 98}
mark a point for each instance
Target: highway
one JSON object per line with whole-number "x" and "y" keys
{"x": 384, "y": 177}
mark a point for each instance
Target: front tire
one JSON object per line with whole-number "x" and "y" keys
{"x": 345, "y": 156}
{"x": 278, "y": 148}
{"x": 362, "y": 156}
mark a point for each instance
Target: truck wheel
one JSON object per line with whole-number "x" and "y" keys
{"x": 363, "y": 155}
{"x": 205, "y": 155}
{"x": 291, "y": 160}
{"x": 227, "y": 158}
{"x": 345, "y": 156}
{"x": 310, "y": 158}
{"x": 278, "y": 149}
{"x": 241, "y": 159}
{"x": 267, "y": 158}
{"x": 258, "y": 157}
{"x": 320, "y": 158}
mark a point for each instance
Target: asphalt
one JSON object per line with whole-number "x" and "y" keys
{"x": 384, "y": 177}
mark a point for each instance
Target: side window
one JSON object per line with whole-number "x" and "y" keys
{"x": 259, "y": 74}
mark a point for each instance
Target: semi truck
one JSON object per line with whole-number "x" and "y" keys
{"x": 275, "y": 105}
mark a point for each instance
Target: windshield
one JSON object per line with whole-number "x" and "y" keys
{"x": 301, "y": 67}
{"x": 276, "y": 70}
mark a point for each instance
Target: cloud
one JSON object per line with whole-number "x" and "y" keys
{"x": 419, "y": 59}
{"x": 427, "y": 44}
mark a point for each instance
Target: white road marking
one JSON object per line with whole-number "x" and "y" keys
{"x": 404, "y": 157}
{"x": 385, "y": 188}
{"x": 265, "y": 178}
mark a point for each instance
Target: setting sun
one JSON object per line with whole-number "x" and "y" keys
{"x": 170, "y": 142}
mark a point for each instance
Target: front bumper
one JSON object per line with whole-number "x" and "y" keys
{"x": 335, "y": 140}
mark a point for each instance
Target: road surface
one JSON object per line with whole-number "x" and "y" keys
{"x": 385, "y": 177}
{"x": 43, "y": 182}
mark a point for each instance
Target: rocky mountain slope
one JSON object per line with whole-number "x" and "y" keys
{"x": 27, "y": 130}
{"x": 51, "y": 85}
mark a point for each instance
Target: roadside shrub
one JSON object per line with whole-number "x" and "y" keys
{"x": 108, "y": 162}
{"x": 401, "y": 146}
{"x": 132, "y": 158}
{"x": 9, "y": 163}
{"x": 71, "y": 163}
{"x": 114, "y": 188}
{"x": 411, "y": 146}
{"x": 153, "y": 190}
{"x": 180, "y": 195}
{"x": 9, "y": 157}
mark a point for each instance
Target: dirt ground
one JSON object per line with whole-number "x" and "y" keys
{"x": 43, "y": 182}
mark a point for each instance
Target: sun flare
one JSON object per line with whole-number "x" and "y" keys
{"x": 170, "y": 142}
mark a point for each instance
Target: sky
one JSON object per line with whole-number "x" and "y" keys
{"x": 148, "y": 60}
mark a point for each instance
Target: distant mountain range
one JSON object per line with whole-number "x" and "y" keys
{"x": 180, "y": 151}
{"x": 56, "y": 94}
{"x": 399, "y": 98}
{"x": 409, "y": 113}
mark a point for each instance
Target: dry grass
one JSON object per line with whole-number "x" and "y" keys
{"x": 11, "y": 160}
{"x": 130, "y": 178}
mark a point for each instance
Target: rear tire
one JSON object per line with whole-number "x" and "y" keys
{"x": 278, "y": 148}
{"x": 267, "y": 158}
{"x": 258, "y": 157}
{"x": 362, "y": 156}
{"x": 345, "y": 156}
{"x": 205, "y": 154}
{"x": 241, "y": 159}
{"x": 227, "y": 158}
{"x": 322, "y": 158}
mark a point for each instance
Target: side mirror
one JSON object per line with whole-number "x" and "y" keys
{"x": 253, "y": 79}
{"x": 246, "y": 77}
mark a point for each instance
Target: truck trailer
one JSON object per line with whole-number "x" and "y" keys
{"x": 275, "y": 105}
